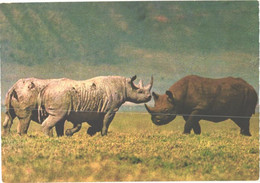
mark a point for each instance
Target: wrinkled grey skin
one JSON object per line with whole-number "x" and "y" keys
{"x": 94, "y": 101}
{"x": 197, "y": 98}
{"x": 20, "y": 101}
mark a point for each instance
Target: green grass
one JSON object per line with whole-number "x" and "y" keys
{"x": 133, "y": 150}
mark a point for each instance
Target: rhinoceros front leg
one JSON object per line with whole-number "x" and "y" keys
{"x": 196, "y": 128}
{"x": 106, "y": 122}
{"x": 60, "y": 128}
{"x": 192, "y": 122}
{"x": 92, "y": 131}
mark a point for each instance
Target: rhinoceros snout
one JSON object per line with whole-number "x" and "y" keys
{"x": 162, "y": 119}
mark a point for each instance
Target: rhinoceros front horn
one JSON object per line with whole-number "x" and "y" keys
{"x": 149, "y": 86}
{"x": 148, "y": 108}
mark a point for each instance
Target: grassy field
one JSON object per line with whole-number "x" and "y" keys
{"x": 133, "y": 150}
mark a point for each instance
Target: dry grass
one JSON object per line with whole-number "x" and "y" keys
{"x": 133, "y": 150}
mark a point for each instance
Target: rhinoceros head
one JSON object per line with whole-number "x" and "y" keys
{"x": 163, "y": 111}
{"x": 138, "y": 93}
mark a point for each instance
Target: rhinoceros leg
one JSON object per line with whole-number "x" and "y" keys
{"x": 76, "y": 128}
{"x": 192, "y": 122}
{"x": 243, "y": 123}
{"x": 50, "y": 122}
{"x": 23, "y": 125}
{"x": 7, "y": 123}
{"x": 106, "y": 122}
{"x": 92, "y": 130}
{"x": 196, "y": 128}
{"x": 60, "y": 128}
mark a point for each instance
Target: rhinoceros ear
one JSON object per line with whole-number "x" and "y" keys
{"x": 132, "y": 82}
{"x": 170, "y": 96}
{"x": 32, "y": 85}
{"x": 133, "y": 78}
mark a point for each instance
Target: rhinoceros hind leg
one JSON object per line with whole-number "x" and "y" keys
{"x": 8, "y": 122}
{"x": 50, "y": 122}
{"x": 23, "y": 125}
{"x": 243, "y": 123}
{"x": 76, "y": 128}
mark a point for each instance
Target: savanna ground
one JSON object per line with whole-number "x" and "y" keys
{"x": 134, "y": 150}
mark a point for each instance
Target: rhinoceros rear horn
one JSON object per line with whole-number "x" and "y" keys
{"x": 140, "y": 84}
{"x": 155, "y": 95}
{"x": 149, "y": 86}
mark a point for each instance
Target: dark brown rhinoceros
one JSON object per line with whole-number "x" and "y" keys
{"x": 21, "y": 102}
{"x": 94, "y": 101}
{"x": 197, "y": 98}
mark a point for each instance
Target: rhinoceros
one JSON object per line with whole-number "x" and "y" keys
{"x": 94, "y": 101}
{"x": 20, "y": 101}
{"x": 197, "y": 98}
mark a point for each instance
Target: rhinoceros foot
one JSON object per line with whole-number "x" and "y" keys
{"x": 245, "y": 133}
{"x": 68, "y": 132}
{"x": 91, "y": 131}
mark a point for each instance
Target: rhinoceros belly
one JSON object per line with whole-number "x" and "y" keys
{"x": 86, "y": 116}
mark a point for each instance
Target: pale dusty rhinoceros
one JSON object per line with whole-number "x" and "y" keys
{"x": 20, "y": 101}
{"x": 94, "y": 101}
{"x": 197, "y": 98}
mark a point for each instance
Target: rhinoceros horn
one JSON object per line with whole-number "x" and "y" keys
{"x": 149, "y": 109}
{"x": 149, "y": 86}
{"x": 155, "y": 96}
{"x": 140, "y": 84}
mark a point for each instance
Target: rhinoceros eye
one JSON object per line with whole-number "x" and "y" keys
{"x": 165, "y": 110}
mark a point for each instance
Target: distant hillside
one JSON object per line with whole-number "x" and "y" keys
{"x": 165, "y": 39}
{"x": 37, "y": 33}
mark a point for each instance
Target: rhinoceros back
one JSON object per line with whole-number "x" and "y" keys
{"x": 98, "y": 94}
{"x": 89, "y": 97}
{"x": 226, "y": 96}
{"x": 94, "y": 95}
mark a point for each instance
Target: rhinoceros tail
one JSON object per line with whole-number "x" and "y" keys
{"x": 251, "y": 100}
{"x": 41, "y": 110}
{"x": 254, "y": 101}
{"x": 10, "y": 113}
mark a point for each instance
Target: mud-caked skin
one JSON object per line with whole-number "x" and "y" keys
{"x": 197, "y": 98}
{"x": 94, "y": 101}
{"x": 21, "y": 102}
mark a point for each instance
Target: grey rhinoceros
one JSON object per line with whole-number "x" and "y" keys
{"x": 196, "y": 98}
{"x": 94, "y": 101}
{"x": 21, "y": 102}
